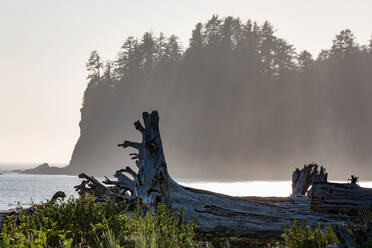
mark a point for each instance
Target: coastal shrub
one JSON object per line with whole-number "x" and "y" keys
{"x": 84, "y": 223}
{"x": 302, "y": 236}
{"x": 361, "y": 230}
{"x": 156, "y": 228}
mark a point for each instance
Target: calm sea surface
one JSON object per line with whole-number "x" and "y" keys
{"x": 16, "y": 189}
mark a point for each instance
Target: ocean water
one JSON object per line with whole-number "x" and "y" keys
{"x": 22, "y": 190}
{"x": 16, "y": 189}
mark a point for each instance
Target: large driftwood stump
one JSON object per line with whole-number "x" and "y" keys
{"x": 217, "y": 214}
{"x": 303, "y": 179}
{"x": 151, "y": 183}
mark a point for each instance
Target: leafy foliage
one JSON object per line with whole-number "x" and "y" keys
{"x": 301, "y": 236}
{"x": 85, "y": 223}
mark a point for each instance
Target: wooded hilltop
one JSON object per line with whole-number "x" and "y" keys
{"x": 238, "y": 95}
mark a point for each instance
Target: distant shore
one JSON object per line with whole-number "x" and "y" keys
{"x": 42, "y": 169}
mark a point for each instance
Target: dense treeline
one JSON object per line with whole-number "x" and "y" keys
{"x": 238, "y": 97}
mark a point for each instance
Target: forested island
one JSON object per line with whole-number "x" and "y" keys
{"x": 237, "y": 95}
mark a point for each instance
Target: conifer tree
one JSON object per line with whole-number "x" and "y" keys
{"x": 305, "y": 61}
{"x": 344, "y": 44}
{"x": 94, "y": 65}
{"x": 148, "y": 50}
{"x": 161, "y": 46}
{"x": 284, "y": 57}
{"x": 197, "y": 38}
{"x": 227, "y": 32}
{"x": 108, "y": 71}
{"x": 173, "y": 49}
{"x": 129, "y": 62}
{"x": 212, "y": 30}
{"x": 267, "y": 46}
{"x": 323, "y": 55}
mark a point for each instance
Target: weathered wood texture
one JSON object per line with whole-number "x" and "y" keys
{"x": 344, "y": 198}
{"x": 303, "y": 179}
{"x": 94, "y": 187}
{"x": 218, "y": 214}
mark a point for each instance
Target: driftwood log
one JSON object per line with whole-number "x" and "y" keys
{"x": 259, "y": 218}
{"x": 340, "y": 198}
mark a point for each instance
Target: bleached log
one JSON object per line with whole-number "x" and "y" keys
{"x": 344, "y": 198}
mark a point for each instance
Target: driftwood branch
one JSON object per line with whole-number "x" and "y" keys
{"x": 129, "y": 171}
{"x": 127, "y": 143}
{"x": 139, "y": 126}
{"x": 123, "y": 182}
{"x": 353, "y": 179}
{"x": 57, "y": 195}
{"x": 92, "y": 186}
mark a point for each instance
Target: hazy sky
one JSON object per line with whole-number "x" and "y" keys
{"x": 44, "y": 45}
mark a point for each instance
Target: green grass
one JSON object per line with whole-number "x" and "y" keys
{"x": 302, "y": 236}
{"x": 84, "y": 223}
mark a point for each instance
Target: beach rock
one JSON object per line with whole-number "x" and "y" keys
{"x": 45, "y": 169}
